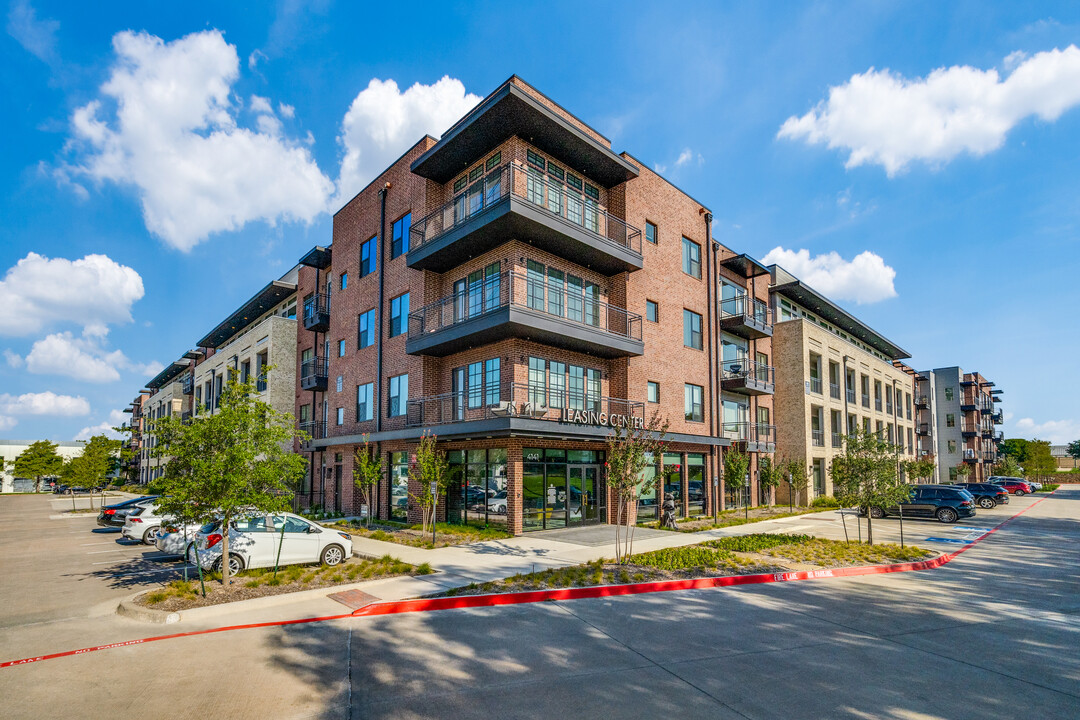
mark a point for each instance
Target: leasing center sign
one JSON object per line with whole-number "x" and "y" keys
{"x": 592, "y": 417}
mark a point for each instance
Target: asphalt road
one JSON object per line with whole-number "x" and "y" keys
{"x": 993, "y": 634}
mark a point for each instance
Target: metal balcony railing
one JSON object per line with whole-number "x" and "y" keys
{"x": 834, "y": 390}
{"x": 850, "y": 394}
{"x": 877, "y": 404}
{"x": 515, "y": 179}
{"x": 748, "y": 432}
{"x": 751, "y": 309}
{"x": 316, "y": 368}
{"x": 187, "y": 385}
{"x": 520, "y": 400}
{"x": 747, "y": 370}
{"x": 315, "y": 428}
{"x": 837, "y": 440}
{"x": 317, "y": 311}
{"x": 922, "y": 401}
{"x": 539, "y": 294}
{"x": 815, "y": 385}
{"x": 817, "y": 438}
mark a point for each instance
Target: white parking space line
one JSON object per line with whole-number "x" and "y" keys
{"x": 102, "y": 552}
{"x": 108, "y": 542}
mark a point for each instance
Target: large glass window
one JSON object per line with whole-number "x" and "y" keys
{"x": 534, "y": 274}
{"x": 557, "y": 394}
{"x": 398, "y": 396}
{"x": 365, "y": 335}
{"x": 399, "y": 486}
{"x": 691, "y": 329}
{"x": 365, "y": 408}
{"x": 399, "y": 237}
{"x": 577, "y": 387}
{"x": 695, "y": 483}
{"x": 477, "y": 492}
{"x": 368, "y": 257}
{"x": 399, "y": 315}
{"x": 691, "y": 258}
{"x": 694, "y": 401}
{"x": 491, "y": 381}
{"x": 537, "y": 381}
{"x": 556, "y": 291}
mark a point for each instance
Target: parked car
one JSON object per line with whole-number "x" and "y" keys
{"x": 114, "y": 515}
{"x": 175, "y": 539}
{"x": 59, "y": 489}
{"x": 497, "y": 502}
{"x": 1035, "y": 485}
{"x": 987, "y": 495}
{"x": 1015, "y": 486}
{"x": 253, "y": 543}
{"x": 944, "y": 502}
{"x": 142, "y": 523}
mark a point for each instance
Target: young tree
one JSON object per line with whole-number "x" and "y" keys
{"x": 92, "y": 467}
{"x": 770, "y": 475}
{"x": 430, "y": 472}
{"x": 225, "y": 465}
{"x": 798, "y": 476}
{"x": 736, "y": 467}
{"x": 630, "y": 451}
{"x": 367, "y": 470}
{"x": 1016, "y": 447}
{"x": 962, "y": 471}
{"x": 1006, "y": 466}
{"x": 1073, "y": 450}
{"x": 126, "y": 454}
{"x": 920, "y": 469}
{"x": 38, "y": 461}
{"x": 1040, "y": 462}
{"x": 864, "y": 474}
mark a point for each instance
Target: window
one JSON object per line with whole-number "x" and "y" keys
{"x": 650, "y": 232}
{"x": 365, "y": 410}
{"x": 399, "y": 236}
{"x": 365, "y": 329}
{"x": 399, "y": 395}
{"x": 691, "y": 258}
{"x": 341, "y": 416}
{"x": 338, "y": 385}
{"x": 948, "y": 393}
{"x": 537, "y": 381}
{"x": 952, "y": 447}
{"x": 245, "y": 371}
{"x": 652, "y": 311}
{"x": 341, "y": 348}
{"x": 491, "y": 381}
{"x": 865, "y": 390}
{"x": 557, "y": 396}
{"x": 534, "y": 288}
{"x": 815, "y": 373}
{"x": 950, "y": 420}
{"x": 654, "y": 392}
{"x": 399, "y": 314}
{"x": 344, "y": 283}
{"x": 367, "y": 257}
{"x": 877, "y": 395}
{"x": 692, "y": 329}
{"x": 694, "y": 402}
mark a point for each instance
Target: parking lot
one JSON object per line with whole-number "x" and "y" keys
{"x": 59, "y": 565}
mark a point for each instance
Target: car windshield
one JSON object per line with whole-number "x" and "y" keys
{"x": 210, "y": 527}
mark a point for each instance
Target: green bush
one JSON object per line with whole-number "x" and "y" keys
{"x": 756, "y": 542}
{"x": 1049, "y": 487}
{"x": 681, "y": 558}
{"x": 825, "y": 501}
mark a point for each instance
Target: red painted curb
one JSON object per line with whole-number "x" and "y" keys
{"x": 395, "y": 607}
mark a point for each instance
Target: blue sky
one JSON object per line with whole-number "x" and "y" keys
{"x": 162, "y": 162}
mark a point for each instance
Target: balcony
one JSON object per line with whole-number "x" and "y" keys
{"x": 970, "y": 455}
{"x": 834, "y": 390}
{"x": 316, "y": 430}
{"x": 922, "y": 429}
{"x": 188, "y": 385}
{"x": 817, "y": 438}
{"x": 850, "y": 395}
{"x": 815, "y": 385}
{"x": 513, "y": 202}
{"x": 314, "y": 373}
{"x": 746, "y": 317}
{"x": 514, "y": 305}
{"x": 865, "y": 400}
{"x": 969, "y": 430}
{"x": 968, "y": 403}
{"x": 747, "y": 377}
{"x": 750, "y": 437}
{"x": 317, "y": 313}
{"x": 998, "y": 417}
{"x": 837, "y": 440}
{"x": 922, "y": 401}
{"x": 522, "y": 401}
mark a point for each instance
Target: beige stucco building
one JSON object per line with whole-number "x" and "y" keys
{"x": 11, "y": 449}
{"x": 833, "y": 374}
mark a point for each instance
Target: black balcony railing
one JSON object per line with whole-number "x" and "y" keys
{"x": 922, "y": 429}
{"x": 745, "y": 374}
{"x": 317, "y": 313}
{"x": 758, "y": 437}
{"x": 538, "y": 294}
{"x": 515, "y": 179}
{"x": 922, "y": 401}
{"x": 316, "y": 429}
{"x": 314, "y": 373}
{"x": 817, "y": 438}
{"x": 521, "y": 400}
{"x": 745, "y": 316}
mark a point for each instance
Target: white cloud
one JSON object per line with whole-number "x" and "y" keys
{"x": 116, "y": 419}
{"x": 286, "y": 111}
{"x": 38, "y": 292}
{"x": 13, "y": 358}
{"x": 6, "y": 422}
{"x": 83, "y": 358}
{"x": 1058, "y": 432}
{"x": 36, "y": 36}
{"x": 44, "y": 403}
{"x": 383, "y": 122}
{"x": 865, "y": 278}
{"x": 881, "y": 117}
{"x": 174, "y": 137}
{"x": 687, "y": 156}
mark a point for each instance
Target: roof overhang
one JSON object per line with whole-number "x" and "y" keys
{"x": 248, "y": 313}
{"x": 193, "y": 355}
{"x": 745, "y": 265}
{"x": 317, "y": 257}
{"x": 163, "y": 377}
{"x": 819, "y": 304}
{"x": 511, "y": 111}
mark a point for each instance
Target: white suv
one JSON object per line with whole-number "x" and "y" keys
{"x": 254, "y": 540}
{"x": 142, "y": 524}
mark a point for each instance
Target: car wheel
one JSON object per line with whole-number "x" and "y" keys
{"x": 236, "y": 564}
{"x": 946, "y": 515}
{"x": 1020, "y": 493}
{"x": 150, "y": 536}
{"x": 877, "y": 513}
{"x": 986, "y": 503}
{"x": 333, "y": 555}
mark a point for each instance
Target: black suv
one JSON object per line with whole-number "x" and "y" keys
{"x": 987, "y": 495}
{"x": 944, "y": 502}
{"x": 114, "y": 515}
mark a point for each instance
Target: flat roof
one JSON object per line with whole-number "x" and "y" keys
{"x": 317, "y": 257}
{"x": 792, "y": 287}
{"x": 511, "y": 111}
{"x": 745, "y": 265}
{"x": 274, "y": 293}
{"x": 163, "y": 377}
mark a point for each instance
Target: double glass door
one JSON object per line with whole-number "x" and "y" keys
{"x": 572, "y": 496}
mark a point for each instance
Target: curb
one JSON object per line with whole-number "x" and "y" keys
{"x": 129, "y": 609}
{"x": 448, "y": 603}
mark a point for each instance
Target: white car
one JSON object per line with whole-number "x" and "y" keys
{"x": 254, "y": 539}
{"x": 142, "y": 524}
{"x": 497, "y": 502}
{"x": 175, "y": 541}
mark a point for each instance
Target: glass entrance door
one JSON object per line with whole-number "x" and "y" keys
{"x": 584, "y": 499}
{"x": 555, "y": 497}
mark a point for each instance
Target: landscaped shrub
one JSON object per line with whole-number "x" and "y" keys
{"x": 756, "y": 542}
{"x": 825, "y": 501}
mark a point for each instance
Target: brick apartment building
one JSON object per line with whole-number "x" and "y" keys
{"x": 516, "y": 288}
{"x": 958, "y": 419}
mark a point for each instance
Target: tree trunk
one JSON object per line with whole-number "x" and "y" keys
{"x": 869, "y": 529}
{"x": 618, "y": 528}
{"x": 225, "y": 552}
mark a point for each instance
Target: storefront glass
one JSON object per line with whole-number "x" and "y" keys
{"x": 695, "y": 482}
{"x": 673, "y": 480}
{"x": 562, "y": 488}
{"x": 399, "y": 486}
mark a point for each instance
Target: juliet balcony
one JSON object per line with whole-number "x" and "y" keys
{"x": 317, "y": 313}
{"x": 314, "y": 373}
{"x": 746, "y": 376}
{"x": 517, "y": 305}
{"x": 746, "y": 317}
{"x": 513, "y": 201}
